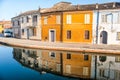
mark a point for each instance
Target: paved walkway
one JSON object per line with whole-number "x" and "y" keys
{"x": 77, "y": 47}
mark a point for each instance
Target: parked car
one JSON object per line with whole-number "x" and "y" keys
{"x": 7, "y": 34}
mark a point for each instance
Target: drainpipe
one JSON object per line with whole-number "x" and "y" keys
{"x": 61, "y": 28}
{"x": 96, "y": 43}
{"x": 61, "y": 62}
{"x": 97, "y": 24}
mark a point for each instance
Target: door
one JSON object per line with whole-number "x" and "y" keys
{"x": 27, "y": 33}
{"x": 52, "y": 35}
{"x": 103, "y": 37}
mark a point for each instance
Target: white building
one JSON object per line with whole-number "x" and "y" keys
{"x": 106, "y": 24}
{"x": 16, "y": 27}
{"x": 29, "y": 25}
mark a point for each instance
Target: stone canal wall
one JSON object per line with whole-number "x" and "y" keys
{"x": 75, "y": 47}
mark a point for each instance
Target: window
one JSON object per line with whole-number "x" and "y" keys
{"x": 35, "y": 18}
{"x": 117, "y": 59}
{"x": 87, "y": 18}
{"x": 18, "y": 23}
{"x": 87, "y": 34}
{"x": 45, "y": 20}
{"x": 119, "y": 18}
{"x": 58, "y": 19}
{"x": 68, "y": 56}
{"x": 13, "y": 23}
{"x": 118, "y": 35}
{"x": 24, "y": 50}
{"x": 104, "y": 18}
{"x": 34, "y": 31}
{"x": 85, "y": 71}
{"x": 22, "y": 19}
{"x": 22, "y": 31}
{"x": 69, "y": 18}
{"x": 27, "y": 19}
{"x": 68, "y": 34}
{"x": 86, "y": 57}
{"x": 101, "y": 72}
{"x": 52, "y": 54}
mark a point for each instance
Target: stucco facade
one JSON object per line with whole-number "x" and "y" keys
{"x": 106, "y": 24}
{"x": 79, "y": 23}
{"x": 29, "y": 25}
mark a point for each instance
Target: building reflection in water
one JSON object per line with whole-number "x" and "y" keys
{"x": 79, "y": 65}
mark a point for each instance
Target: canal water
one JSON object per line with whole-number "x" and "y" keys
{"x": 31, "y": 64}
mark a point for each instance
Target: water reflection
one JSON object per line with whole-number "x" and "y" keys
{"x": 79, "y": 65}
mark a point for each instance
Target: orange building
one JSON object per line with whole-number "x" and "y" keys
{"x": 77, "y": 65}
{"x": 4, "y": 25}
{"x": 51, "y": 20}
{"x": 51, "y": 27}
{"x": 77, "y": 26}
{"x": 67, "y": 23}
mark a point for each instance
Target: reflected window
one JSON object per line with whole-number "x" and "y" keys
{"x": 68, "y": 56}
{"x": 52, "y": 54}
{"x": 118, "y": 35}
{"x": 102, "y": 58}
{"x": 117, "y": 59}
{"x": 86, "y": 57}
{"x": 101, "y": 72}
{"x": 117, "y": 75}
{"x": 24, "y": 50}
{"x": 85, "y": 71}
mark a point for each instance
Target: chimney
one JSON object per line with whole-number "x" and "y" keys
{"x": 78, "y": 7}
{"x": 96, "y": 5}
{"x": 114, "y": 5}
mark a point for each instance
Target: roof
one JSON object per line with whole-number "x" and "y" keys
{"x": 29, "y": 12}
{"x": 64, "y": 6}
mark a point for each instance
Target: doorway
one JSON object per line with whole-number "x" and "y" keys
{"x": 52, "y": 34}
{"x": 103, "y": 37}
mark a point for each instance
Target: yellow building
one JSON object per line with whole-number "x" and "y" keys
{"x": 51, "y": 61}
{"x": 51, "y": 20}
{"x": 67, "y": 23}
{"x": 1, "y": 28}
{"x": 77, "y": 65}
{"x": 4, "y": 25}
{"x": 51, "y": 27}
{"x": 77, "y": 26}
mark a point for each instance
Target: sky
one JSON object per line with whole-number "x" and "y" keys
{"x": 12, "y": 8}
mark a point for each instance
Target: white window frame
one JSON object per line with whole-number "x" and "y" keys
{"x": 58, "y": 19}
{"x": 50, "y": 53}
{"x": 87, "y": 19}
{"x": 45, "y": 20}
{"x": 118, "y": 35}
{"x": 85, "y": 71}
{"x": 69, "y": 19}
{"x": 104, "y": 18}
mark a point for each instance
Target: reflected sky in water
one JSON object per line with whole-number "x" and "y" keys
{"x": 10, "y": 69}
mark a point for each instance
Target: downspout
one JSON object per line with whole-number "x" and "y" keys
{"x": 97, "y": 24}
{"x": 61, "y": 28}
